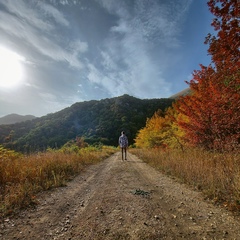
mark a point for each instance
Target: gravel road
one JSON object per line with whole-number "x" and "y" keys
{"x": 118, "y": 199}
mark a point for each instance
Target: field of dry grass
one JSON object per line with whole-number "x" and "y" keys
{"x": 217, "y": 175}
{"x": 22, "y": 177}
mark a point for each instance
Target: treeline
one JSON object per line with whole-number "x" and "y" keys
{"x": 210, "y": 116}
{"x": 99, "y": 122}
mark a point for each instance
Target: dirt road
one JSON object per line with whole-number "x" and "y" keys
{"x": 122, "y": 200}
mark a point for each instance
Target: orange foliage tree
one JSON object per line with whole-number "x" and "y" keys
{"x": 213, "y": 108}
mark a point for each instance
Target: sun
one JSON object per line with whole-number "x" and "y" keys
{"x": 11, "y": 70}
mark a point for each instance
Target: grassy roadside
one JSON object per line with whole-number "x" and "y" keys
{"x": 217, "y": 175}
{"x": 22, "y": 177}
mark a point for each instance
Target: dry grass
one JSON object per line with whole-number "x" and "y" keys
{"x": 217, "y": 175}
{"x": 22, "y": 177}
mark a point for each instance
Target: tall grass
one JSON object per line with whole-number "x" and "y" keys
{"x": 217, "y": 175}
{"x": 22, "y": 177}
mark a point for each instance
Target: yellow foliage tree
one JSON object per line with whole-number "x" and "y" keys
{"x": 148, "y": 137}
{"x": 172, "y": 134}
{"x": 161, "y": 130}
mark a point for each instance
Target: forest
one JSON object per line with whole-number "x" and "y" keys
{"x": 98, "y": 122}
{"x": 195, "y": 138}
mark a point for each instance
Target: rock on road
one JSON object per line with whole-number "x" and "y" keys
{"x": 118, "y": 199}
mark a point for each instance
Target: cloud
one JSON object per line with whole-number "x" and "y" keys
{"x": 130, "y": 56}
{"x": 51, "y": 102}
{"x": 64, "y": 2}
{"x": 83, "y": 50}
{"x": 149, "y": 19}
{"x": 78, "y": 47}
{"x": 53, "y": 13}
{"x": 39, "y": 33}
{"x": 21, "y": 10}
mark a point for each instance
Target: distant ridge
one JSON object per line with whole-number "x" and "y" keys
{"x": 15, "y": 118}
{"x": 184, "y": 92}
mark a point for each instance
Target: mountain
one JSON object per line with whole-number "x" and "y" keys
{"x": 15, "y": 118}
{"x": 184, "y": 92}
{"x": 97, "y": 121}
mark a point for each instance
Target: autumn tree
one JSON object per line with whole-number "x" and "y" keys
{"x": 161, "y": 131}
{"x": 224, "y": 48}
{"x": 173, "y": 134}
{"x": 149, "y": 136}
{"x": 213, "y": 109}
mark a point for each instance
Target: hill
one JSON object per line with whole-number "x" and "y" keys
{"x": 15, "y": 118}
{"x": 99, "y": 122}
{"x": 184, "y": 92}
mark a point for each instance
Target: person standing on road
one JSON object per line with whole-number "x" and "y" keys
{"x": 123, "y": 143}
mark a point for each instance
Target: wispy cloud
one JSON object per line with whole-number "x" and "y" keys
{"x": 26, "y": 13}
{"x": 53, "y": 13}
{"x": 65, "y": 2}
{"x": 52, "y": 102}
{"x": 29, "y": 22}
{"x": 129, "y": 55}
{"x": 78, "y": 50}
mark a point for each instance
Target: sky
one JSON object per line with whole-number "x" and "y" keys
{"x": 54, "y": 53}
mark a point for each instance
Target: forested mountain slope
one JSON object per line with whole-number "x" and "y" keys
{"x": 97, "y": 121}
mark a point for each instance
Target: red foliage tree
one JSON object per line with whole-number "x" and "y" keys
{"x": 213, "y": 109}
{"x": 224, "y": 48}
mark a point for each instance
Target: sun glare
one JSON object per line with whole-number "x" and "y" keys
{"x": 11, "y": 70}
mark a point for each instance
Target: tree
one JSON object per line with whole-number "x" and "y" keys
{"x": 224, "y": 48}
{"x": 161, "y": 130}
{"x": 149, "y": 136}
{"x": 213, "y": 109}
{"x": 173, "y": 134}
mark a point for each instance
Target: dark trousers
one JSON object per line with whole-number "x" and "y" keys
{"x": 124, "y": 152}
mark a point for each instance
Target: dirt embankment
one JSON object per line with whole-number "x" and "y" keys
{"x": 121, "y": 200}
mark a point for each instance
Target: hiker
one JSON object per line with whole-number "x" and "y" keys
{"x": 123, "y": 143}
